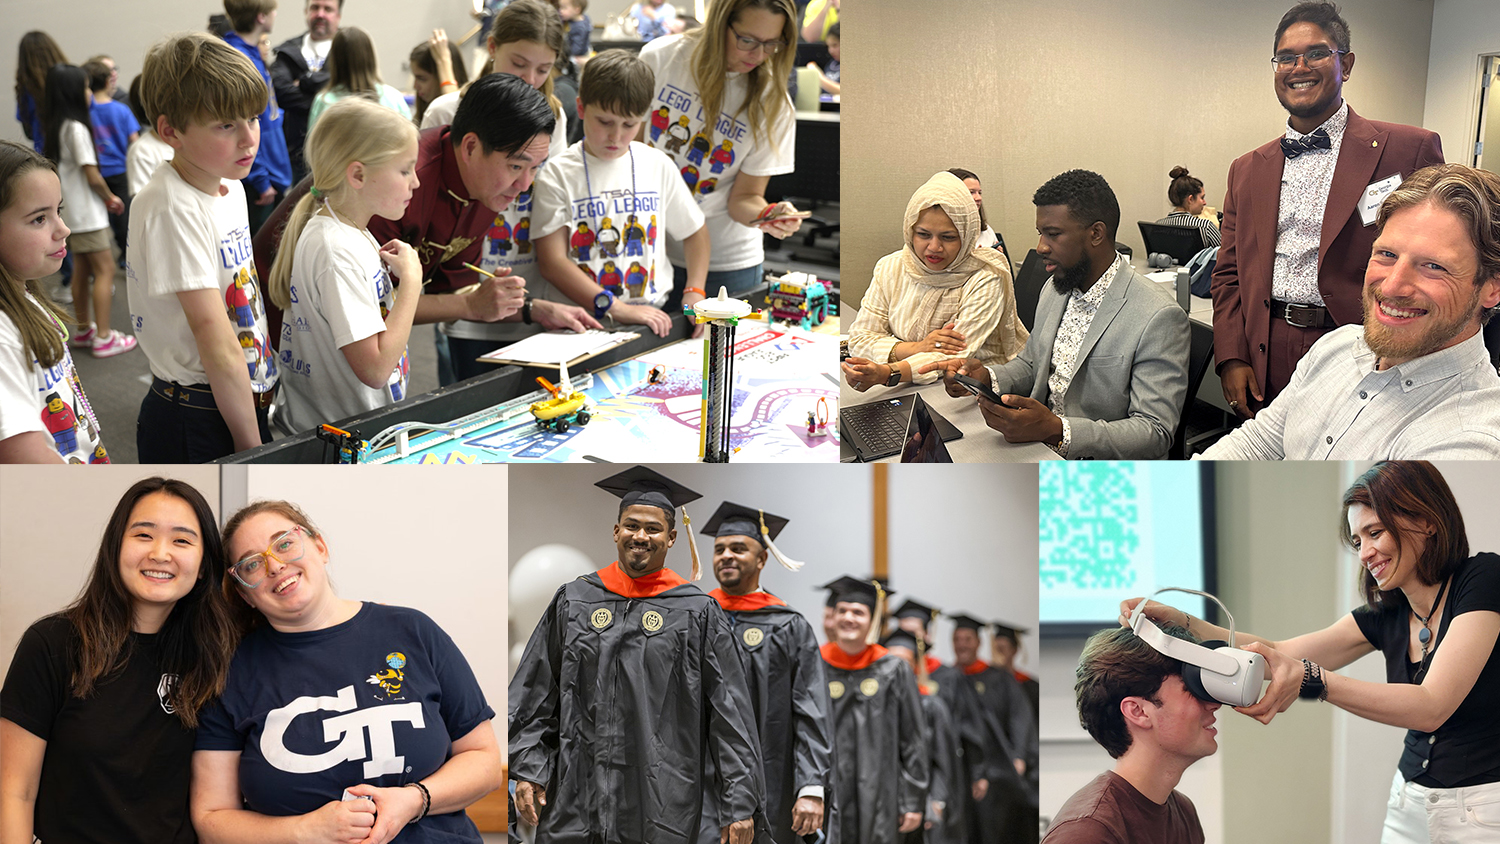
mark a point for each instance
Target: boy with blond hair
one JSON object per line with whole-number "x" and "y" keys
{"x": 610, "y": 176}
{"x": 194, "y": 294}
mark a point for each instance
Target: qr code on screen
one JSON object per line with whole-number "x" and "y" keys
{"x": 1088, "y": 529}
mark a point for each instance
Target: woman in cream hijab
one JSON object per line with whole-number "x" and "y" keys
{"x": 939, "y": 297}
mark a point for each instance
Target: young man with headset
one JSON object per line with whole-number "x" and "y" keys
{"x": 1132, "y": 699}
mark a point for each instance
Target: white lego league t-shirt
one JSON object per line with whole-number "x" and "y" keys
{"x": 709, "y": 157}
{"x": 49, "y": 399}
{"x": 83, "y": 210}
{"x": 618, "y": 215}
{"x": 341, "y": 293}
{"x": 183, "y": 239}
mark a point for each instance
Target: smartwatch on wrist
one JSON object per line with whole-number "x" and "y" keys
{"x": 895, "y": 376}
{"x": 603, "y": 301}
{"x": 526, "y": 311}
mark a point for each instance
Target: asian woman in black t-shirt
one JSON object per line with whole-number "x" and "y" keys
{"x": 1434, "y": 612}
{"x": 101, "y": 701}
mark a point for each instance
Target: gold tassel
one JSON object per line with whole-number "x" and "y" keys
{"x": 877, "y": 619}
{"x": 687, "y": 525}
{"x": 765, "y": 536}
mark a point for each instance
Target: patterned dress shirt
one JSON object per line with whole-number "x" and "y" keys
{"x": 1299, "y": 221}
{"x": 1077, "y": 318}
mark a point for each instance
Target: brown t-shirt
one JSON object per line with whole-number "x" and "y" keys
{"x": 1110, "y": 811}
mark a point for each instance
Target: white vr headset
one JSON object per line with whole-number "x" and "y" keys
{"x": 1214, "y": 671}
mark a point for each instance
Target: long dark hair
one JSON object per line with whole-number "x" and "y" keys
{"x": 197, "y": 640}
{"x": 421, "y": 57}
{"x": 66, "y": 87}
{"x": 964, "y": 175}
{"x": 1406, "y": 494}
{"x": 38, "y": 53}
{"x": 351, "y": 65}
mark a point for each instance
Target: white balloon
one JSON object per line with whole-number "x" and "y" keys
{"x": 534, "y": 580}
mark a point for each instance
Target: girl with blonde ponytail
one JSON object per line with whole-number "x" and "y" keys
{"x": 343, "y": 341}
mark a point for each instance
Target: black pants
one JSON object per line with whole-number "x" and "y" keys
{"x": 120, "y": 223}
{"x": 166, "y": 432}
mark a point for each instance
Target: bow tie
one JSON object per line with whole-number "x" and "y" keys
{"x": 1317, "y": 140}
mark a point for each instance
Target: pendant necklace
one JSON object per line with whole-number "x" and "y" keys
{"x": 1424, "y": 636}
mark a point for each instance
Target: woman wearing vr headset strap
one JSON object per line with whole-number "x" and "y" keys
{"x": 1434, "y": 611}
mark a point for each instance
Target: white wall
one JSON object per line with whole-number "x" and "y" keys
{"x": 971, "y": 545}
{"x": 1462, "y": 31}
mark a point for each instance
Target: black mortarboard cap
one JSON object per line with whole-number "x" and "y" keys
{"x": 901, "y": 639}
{"x": 639, "y": 485}
{"x": 912, "y": 608}
{"x": 1005, "y": 631}
{"x": 967, "y": 622}
{"x": 733, "y": 519}
{"x": 836, "y": 586}
{"x": 855, "y": 590}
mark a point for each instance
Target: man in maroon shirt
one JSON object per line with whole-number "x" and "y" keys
{"x": 468, "y": 172}
{"x": 1131, "y": 699}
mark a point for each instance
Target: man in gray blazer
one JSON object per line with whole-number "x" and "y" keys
{"x": 1104, "y": 374}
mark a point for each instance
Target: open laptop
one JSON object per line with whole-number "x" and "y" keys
{"x": 882, "y": 428}
{"x": 924, "y": 442}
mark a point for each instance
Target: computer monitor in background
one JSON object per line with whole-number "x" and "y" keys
{"x": 1115, "y": 530}
{"x": 1181, "y": 242}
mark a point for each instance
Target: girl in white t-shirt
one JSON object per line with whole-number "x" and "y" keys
{"x": 44, "y": 416}
{"x": 87, "y": 204}
{"x": 526, "y": 41}
{"x": 722, "y": 113}
{"x": 343, "y": 337}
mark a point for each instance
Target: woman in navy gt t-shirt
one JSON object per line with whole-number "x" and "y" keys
{"x": 340, "y": 719}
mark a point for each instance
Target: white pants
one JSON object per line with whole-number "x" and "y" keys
{"x": 1420, "y": 815}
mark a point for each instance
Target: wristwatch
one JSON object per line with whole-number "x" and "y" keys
{"x": 526, "y": 311}
{"x": 603, "y": 301}
{"x": 895, "y": 377}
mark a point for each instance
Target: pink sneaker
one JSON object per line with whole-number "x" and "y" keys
{"x": 83, "y": 339}
{"x": 115, "y": 344}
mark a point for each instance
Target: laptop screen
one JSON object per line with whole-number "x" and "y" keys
{"x": 924, "y": 443}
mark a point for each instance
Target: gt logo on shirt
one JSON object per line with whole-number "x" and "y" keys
{"x": 350, "y": 728}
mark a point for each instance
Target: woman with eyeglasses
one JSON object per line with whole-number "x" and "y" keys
{"x": 1434, "y": 612}
{"x": 341, "y": 720}
{"x": 100, "y": 704}
{"x": 721, "y": 112}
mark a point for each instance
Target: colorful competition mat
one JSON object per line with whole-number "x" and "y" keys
{"x": 780, "y": 373}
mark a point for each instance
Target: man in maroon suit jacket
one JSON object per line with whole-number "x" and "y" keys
{"x": 1292, "y": 264}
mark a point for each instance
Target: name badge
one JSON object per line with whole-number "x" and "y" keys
{"x": 1374, "y": 194}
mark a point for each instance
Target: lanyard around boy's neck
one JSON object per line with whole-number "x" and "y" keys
{"x": 589, "y": 185}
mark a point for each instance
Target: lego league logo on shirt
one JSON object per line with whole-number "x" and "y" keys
{"x": 247, "y": 311}
{"x": 704, "y": 149}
